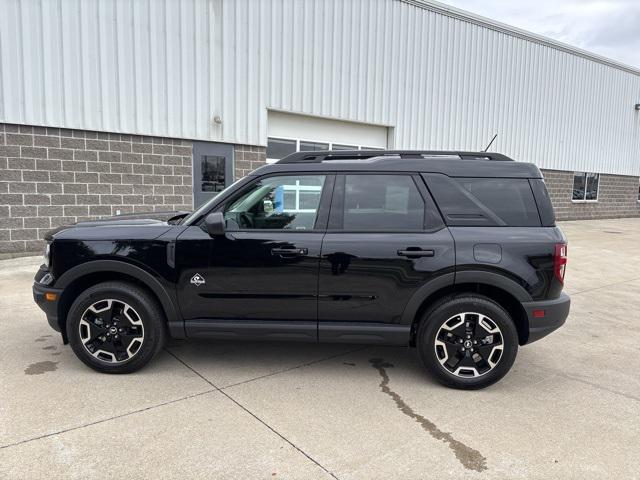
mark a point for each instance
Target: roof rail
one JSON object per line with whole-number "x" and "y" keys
{"x": 343, "y": 155}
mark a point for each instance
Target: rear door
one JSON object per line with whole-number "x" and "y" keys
{"x": 385, "y": 240}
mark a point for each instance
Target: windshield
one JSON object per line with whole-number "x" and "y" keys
{"x": 207, "y": 205}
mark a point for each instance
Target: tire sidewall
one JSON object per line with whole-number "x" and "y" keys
{"x": 141, "y": 302}
{"x": 438, "y": 316}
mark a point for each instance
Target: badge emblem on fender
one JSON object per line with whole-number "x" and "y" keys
{"x": 197, "y": 280}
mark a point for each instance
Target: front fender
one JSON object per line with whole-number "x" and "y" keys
{"x": 165, "y": 296}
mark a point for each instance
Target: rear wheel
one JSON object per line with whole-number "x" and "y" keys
{"x": 467, "y": 341}
{"x": 115, "y": 327}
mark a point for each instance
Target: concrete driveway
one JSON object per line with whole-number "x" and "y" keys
{"x": 570, "y": 407}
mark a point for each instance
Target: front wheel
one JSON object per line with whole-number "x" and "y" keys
{"x": 467, "y": 341}
{"x": 115, "y": 327}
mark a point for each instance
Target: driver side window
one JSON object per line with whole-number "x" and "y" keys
{"x": 288, "y": 202}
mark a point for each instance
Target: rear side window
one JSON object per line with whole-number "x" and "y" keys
{"x": 510, "y": 199}
{"x": 545, "y": 207}
{"x": 382, "y": 203}
{"x": 485, "y": 201}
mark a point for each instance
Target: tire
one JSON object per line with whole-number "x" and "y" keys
{"x": 446, "y": 337}
{"x": 121, "y": 322}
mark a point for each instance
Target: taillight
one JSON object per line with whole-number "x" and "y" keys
{"x": 560, "y": 261}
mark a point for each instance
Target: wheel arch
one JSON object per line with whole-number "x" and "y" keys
{"x": 504, "y": 298}
{"x": 83, "y": 276}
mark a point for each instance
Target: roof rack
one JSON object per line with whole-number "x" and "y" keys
{"x": 347, "y": 155}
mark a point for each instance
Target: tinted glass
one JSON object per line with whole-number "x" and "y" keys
{"x": 278, "y": 148}
{"x": 282, "y": 203}
{"x": 509, "y": 199}
{"x": 592, "y": 186}
{"x": 337, "y": 146}
{"x": 545, "y": 207}
{"x": 578, "y": 186}
{"x": 213, "y": 177}
{"x": 382, "y": 203}
{"x": 306, "y": 146}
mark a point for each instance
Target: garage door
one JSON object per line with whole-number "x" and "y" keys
{"x": 289, "y": 133}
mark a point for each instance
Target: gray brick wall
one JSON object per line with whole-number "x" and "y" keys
{"x": 247, "y": 158}
{"x": 52, "y": 176}
{"x": 617, "y": 197}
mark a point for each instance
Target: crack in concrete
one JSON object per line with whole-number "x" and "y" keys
{"x": 470, "y": 458}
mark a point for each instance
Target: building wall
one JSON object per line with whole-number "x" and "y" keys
{"x": 617, "y": 197}
{"x": 442, "y": 78}
{"x": 247, "y": 158}
{"x": 51, "y": 177}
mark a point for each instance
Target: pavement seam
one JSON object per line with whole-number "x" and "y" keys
{"x": 97, "y": 422}
{"x": 151, "y": 407}
{"x": 309, "y": 457}
{"x": 600, "y": 387}
{"x": 605, "y": 286}
{"x": 302, "y": 365}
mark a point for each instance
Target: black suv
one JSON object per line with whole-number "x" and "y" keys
{"x": 455, "y": 253}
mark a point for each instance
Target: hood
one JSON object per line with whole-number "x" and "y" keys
{"x": 142, "y": 226}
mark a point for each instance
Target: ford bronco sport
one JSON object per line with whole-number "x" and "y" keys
{"x": 453, "y": 253}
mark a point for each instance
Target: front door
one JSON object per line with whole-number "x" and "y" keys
{"x": 260, "y": 279}
{"x": 385, "y": 240}
{"x": 212, "y": 170}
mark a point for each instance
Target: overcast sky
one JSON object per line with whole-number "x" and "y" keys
{"x": 607, "y": 27}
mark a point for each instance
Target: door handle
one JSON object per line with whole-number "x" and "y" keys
{"x": 412, "y": 252}
{"x": 289, "y": 252}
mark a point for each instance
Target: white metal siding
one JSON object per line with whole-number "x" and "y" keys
{"x": 167, "y": 67}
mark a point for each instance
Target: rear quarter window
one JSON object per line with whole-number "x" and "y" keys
{"x": 485, "y": 201}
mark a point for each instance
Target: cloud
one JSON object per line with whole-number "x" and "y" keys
{"x": 609, "y": 28}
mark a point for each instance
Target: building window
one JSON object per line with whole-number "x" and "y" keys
{"x": 585, "y": 187}
{"x": 307, "y": 146}
{"x": 213, "y": 173}
{"x": 639, "y": 192}
{"x": 278, "y": 148}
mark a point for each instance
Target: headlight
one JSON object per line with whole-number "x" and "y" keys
{"x": 47, "y": 255}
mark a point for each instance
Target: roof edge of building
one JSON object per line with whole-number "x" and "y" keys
{"x": 518, "y": 32}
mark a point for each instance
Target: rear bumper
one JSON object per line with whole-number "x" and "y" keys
{"x": 555, "y": 311}
{"x": 50, "y": 308}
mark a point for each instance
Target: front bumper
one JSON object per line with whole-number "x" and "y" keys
{"x": 555, "y": 311}
{"x": 49, "y": 307}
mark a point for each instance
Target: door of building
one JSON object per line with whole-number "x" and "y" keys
{"x": 212, "y": 170}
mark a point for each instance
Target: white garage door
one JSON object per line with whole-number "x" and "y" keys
{"x": 289, "y": 133}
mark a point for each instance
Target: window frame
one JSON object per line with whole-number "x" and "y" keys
{"x": 322, "y": 216}
{"x": 431, "y": 222}
{"x": 584, "y": 199}
{"x": 315, "y": 140}
{"x": 638, "y": 191}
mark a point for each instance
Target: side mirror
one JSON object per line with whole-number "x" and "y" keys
{"x": 214, "y": 223}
